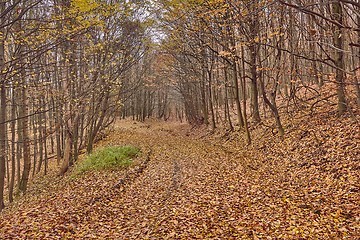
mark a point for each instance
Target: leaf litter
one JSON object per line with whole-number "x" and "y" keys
{"x": 191, "y": 187}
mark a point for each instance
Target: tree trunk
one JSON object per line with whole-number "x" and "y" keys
{"x": 25, "y": 134}
{"x": 211, "y": 105}
{"x": 254, "y": 87}
{"x": 13, "y": 149}
{"x": 357, "y": 83}
{"x": 2, "y": 137}
{"x": 338, "y": 37}
{"x": 246, "y": 125}
{"x": 204, "y": 108}
{"x": 2, "y": 114}
{"x": 226, "y": 101}
{"x": 237, "y": 94}
{"x": 253, "y": 52}
{"x": 67, "y": 154}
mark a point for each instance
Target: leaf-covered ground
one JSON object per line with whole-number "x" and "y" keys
{"x": 190, "y": 187}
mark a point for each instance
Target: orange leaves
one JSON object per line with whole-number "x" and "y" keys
{"x": 204, "y": 188}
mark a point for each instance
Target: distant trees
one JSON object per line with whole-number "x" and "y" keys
{"x": 146, "y": 92}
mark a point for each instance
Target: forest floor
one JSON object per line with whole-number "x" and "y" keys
{"x": 189, "y": 184}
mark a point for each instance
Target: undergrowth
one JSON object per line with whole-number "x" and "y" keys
{"x": 108, "y": 158}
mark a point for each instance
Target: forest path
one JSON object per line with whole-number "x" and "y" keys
{"x": 185, "y": 191}
{"x": 190, "y": 188}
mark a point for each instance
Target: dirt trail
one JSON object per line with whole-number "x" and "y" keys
{"x": 181, "y": 192}
{"x": 189, "y": 189}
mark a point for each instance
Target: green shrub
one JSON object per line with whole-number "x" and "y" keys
{"x": 108, "y": 158}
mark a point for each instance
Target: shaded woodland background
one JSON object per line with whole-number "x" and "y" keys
{"x": 69, "y": 69}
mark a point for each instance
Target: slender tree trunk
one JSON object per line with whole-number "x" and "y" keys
{"x": 246, "y": 125}
{"x": 2, "y": 116}
{"x": 59, "y": 152}
{"x": 226, "y": 101}
{"x": 237, "y": 94}
{"x": 254, "y": 87}
{"x": 35, "y": 143}
{"x": 204, "y": 107}
{"x": 357, "y": 73}
{"x": 253, "y": 52}
{"x": 67, "y": 154}
{"x": 211, "y": 105}
{"x": 19, "y": 146}
{"x": 25, "y": 134}
{"x": 235, "y": 77}
{"x": 338, "y": 37}
{"x": 40, "y": 142}
{"x": 13, "y": 149}
{"x": 97, "y": 125}
{"x": 2, "y": 137}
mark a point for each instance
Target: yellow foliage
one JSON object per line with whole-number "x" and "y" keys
{"x": 84, "y": 5}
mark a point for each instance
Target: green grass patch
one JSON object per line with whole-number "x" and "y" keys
{"x": 108, "y": 158}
